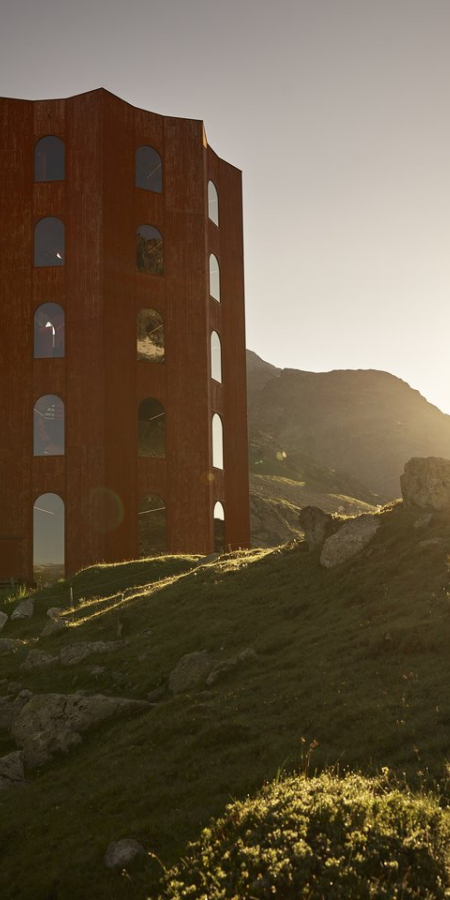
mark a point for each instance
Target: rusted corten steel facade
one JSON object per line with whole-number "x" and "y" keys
{"x": 101, "y": 291}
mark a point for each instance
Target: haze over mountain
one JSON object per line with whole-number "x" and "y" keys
{"x": 336, "y": 439}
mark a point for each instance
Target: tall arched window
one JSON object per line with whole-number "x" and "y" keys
{"x": 214, "y": 277}
{"x": 49, "y": 159}
{"x": 152, "y": 525}
{"x": 213, "y": 203}
{"x": 219, "y": 527}
{"x": 49, "y": 243}
{"x": 149, "y": 250}
{"x": 148, "y": 171}
{"x": 48, "y": 538}
{"x": 217, "y": 441}
{"x": 49, "y": 426}
{"x": 150, "y": 336}
{"x": 151, "y": 428}
{"x": 48, "y": 331}
{"x": 216, "y": 357}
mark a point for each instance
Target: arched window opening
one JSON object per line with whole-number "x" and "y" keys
{"x": 217, "y": 442}
{"x": 219, "y": 527}
{"x": 213, "y": 203}
{"x": 216, "y": 357}
{"x": 149, "y": 250}
{"x": 152, "y": 526}
{"x": 48, "y": 538}
{"x": 49, "y": 426}
{"x": 48, "y": 331}
{"x": 150, "y": 336}
{"x": 148, "y": 171}
{"x": 49, "y": 244}
{"x": 151, "y": 428}
{"x": 49, "y": 159}
{"x": 214, "y": 277}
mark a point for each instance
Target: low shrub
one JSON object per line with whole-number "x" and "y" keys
{"x": 320, "y": 837}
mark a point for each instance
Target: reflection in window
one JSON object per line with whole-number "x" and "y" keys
{"x": 148, "y": 173}
{"x": 213, "y": 203}
{"x": 149, "y": 250}
{"x": 48, "y": 331}
{"x": 49, "y": 159}
{"x": 151, "y": 428}
{"x": 150, "y": 336}
{"x": 214, "y": 277}
{"x": 216, "y": 357}
{"x": 48, "y": 538}
{"x": 219, "y": 527}
{"x": 152, "y": 526}
{"x": 217, "y": 442}
{"x": 49, "y": 242}
{"x": 49, "y": 426}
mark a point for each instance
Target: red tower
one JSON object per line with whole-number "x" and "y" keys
{"x": 122, "y": 357}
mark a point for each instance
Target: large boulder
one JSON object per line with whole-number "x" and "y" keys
{"x": 24, "y": 610}
{"x": 191, "y": 671}
{"x": 36, "y": 659}
{"x": 349, "y": 540}
{"x": 50, "y": 723}
{"x": 317, "y": 525}
{"x": 426, "y": 483}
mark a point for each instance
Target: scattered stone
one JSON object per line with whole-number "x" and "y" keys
{"x": 191, "y": 671}
{"x": 426, "y": 483}
{"x": 3, "y": 620}
{"x": 11, "y": 770}
{"x": 38, "y": 660}
{"x": 53, "y": 627}
{"x": 54, "y": 611}
{"x": 246, "y": 656}
{"x": 14, "y": 688}
{"x": 75, "y": 653}
{"x": 122, "y": 853}
{"x": 24, "y": 610}
{"x": 423, "y": 522}
{"x": 431, "y": 542}
{"x": 317, "y": 525}
{"x": 349, "y": 540}
{"x": 52, "y": 723}
{"x": 7, "y": 645}
{"x": 97, "y": 670}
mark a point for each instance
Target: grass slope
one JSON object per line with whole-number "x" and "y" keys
{"x": 353, "y": 662}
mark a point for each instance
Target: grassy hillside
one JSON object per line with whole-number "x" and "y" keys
{"x": 352, "y": 665}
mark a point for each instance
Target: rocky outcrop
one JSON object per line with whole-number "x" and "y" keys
{"x": 51, "y": 723}
{"x": 317, "y": 526}
{"x": 11, "y": 770}
{"x": 122, "y": 853}
{"x": 191, "y": 671}
{"x": 349, "y": 540}
{"x": 426, "y": 483}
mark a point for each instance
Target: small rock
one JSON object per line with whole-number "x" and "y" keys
{"x": 14, "y": 688}
{"x": 191, "y": 670}
{"x": 53, "y": 626}
{"x": 423, "y": 522}
{"x": 246, "y": 656}
{"x": 11, "y": 770}
{"x": 97, "y": 670}
{"x": 349, "y": 540}
{"x": 431, "y": 542}
{"x": 38, "y": 660}
{"x": 157, "y": 694}
{"x": 75, "y": 653}
{"x": 24, "y": 610}
{"x": 54, "y": 611}
{"x": 8, "y": 646}
{"x": 3, "y": 620}
{"x": 122, "y": 853}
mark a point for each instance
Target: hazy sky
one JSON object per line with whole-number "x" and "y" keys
{"x": 338, "y": 113}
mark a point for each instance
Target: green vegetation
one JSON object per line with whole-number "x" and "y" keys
{"x": 320, "y": 837}
{"x": 354, "y": 659}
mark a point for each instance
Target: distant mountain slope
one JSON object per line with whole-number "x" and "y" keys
{"x": 364, "y": 422}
